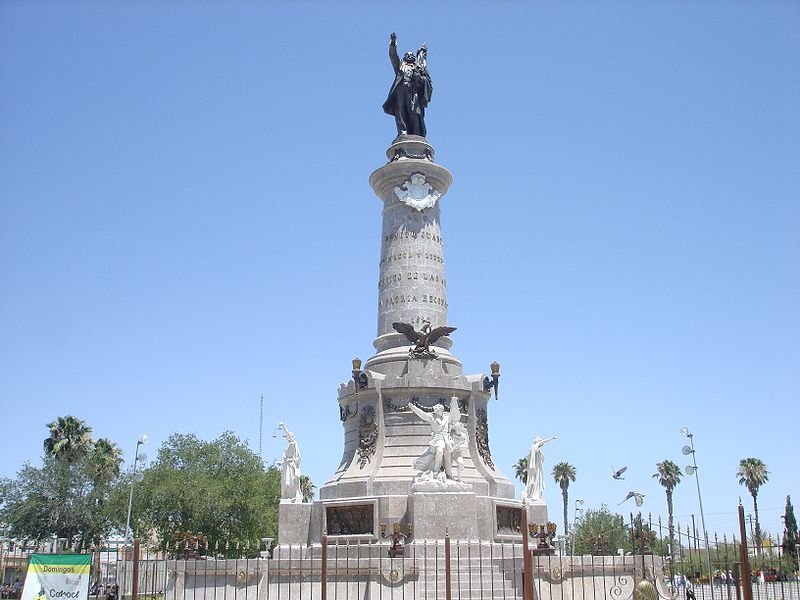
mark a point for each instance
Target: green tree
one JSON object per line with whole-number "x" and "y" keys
{"x": 26, "y": 502}
{"x": 219, "y": 488}
{"x": 521, "y": 469}
{"x": 790, "y": 535}
{"x": 724, "y": 556}
{"x": 752, "y": 474}
{"x": 70, "y": 439}
{"x": 307, "y": 488}
{"x": 643, "y": 539}
{"x": 67, "y": 496}
{"x": 600, "y": 532}
{"x": 103, "y": 463}
{"x": 669, "y": 475}
{"x": 69, "y": 442}
{"x": 36, "y": 505}
{"x": 563, "y": 473}
{"x": 105, "y": 460}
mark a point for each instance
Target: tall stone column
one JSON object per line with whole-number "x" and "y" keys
{"x": 412, "y": 286}
{"x": 383, "y": 435}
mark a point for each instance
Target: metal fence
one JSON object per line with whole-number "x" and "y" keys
{"x": 457, "y": 569}
{"x": 463, "y": 569}
{"x": 652, "y": 564}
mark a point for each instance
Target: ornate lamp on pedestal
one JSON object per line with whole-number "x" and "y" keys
{"x": 359, "y": 377}
{"x": 494, "y": 382}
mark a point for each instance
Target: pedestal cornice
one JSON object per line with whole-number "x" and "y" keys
{"x": 394, "y": 174}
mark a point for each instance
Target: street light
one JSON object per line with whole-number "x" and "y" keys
{"x": 692, "y": 470}
{"x": 2, "y": 555}
{"x": 140, "y": 442}
{"x": 578, "y": 504}
{"x": 575, "y": 523}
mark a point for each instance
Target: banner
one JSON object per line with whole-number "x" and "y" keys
{"x": 57, "y": 577}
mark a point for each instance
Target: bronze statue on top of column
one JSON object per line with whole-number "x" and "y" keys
{"x": 411, "y": 91}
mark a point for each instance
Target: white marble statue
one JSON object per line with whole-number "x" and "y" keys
{"x": 447, "y": 446}
{"x": 534, "y": 488}
{"x": 459, "y": 439}
{"x": 290, "y": 469}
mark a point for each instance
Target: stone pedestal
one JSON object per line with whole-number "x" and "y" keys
{"x": 294, "y": 520}
{"x": 454, "y": 513}
{"x": 383, "y": 437}
{"x": 537, "y": 513}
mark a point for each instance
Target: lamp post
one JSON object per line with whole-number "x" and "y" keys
{"x": 692, "y": 470}
{"x": 140, "y": 442}
{"x": 575, "y": 523}
{"x": 2, "y": 561}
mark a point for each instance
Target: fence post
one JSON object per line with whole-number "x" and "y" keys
{"x": 324, "y": 570}
{"x": 447, "y": 579}
{"x": 527, "y": 568}
{"x": 747, "y": 581}
{"x": 135, "y": 575}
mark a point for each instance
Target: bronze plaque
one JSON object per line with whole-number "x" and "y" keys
{"x": 509, "y": 520}
{"x": 356, "y": 519}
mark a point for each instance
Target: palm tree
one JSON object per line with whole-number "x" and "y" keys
{"x": 69, "y": 442}
{"x": 105, "y": 460}
{"x": 563, "y": 473}
{"x": 307, "y": 488}
{"x": 752, "y": 474}
{"x": 70, "y": 439}
{"x": 669, "y": 475}
{"x": 521, "y": 469}
{"x": 102, "y": 465}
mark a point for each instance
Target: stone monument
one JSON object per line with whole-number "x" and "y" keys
{"x": 416, "y": 427}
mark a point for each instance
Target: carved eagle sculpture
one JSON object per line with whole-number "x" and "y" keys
{"x": 423, "y": 338}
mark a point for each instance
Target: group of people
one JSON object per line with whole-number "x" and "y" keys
{"x": 11, "y": 590}
{"x": 14, "y": 590}
{"x": 109, "y": 592}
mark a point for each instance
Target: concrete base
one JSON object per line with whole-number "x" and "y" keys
{"x": 207, "y": 580}
{"x": 478, "y": 570}
{"x": 537, "y": 513}
{"x": 294, "y": 520}
{"x": 455, "y": 514}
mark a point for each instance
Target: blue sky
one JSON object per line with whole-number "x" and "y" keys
{"x": 186, "y": 224}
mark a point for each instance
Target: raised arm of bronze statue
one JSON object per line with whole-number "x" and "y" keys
{"x": 393, "y": 58}
{"x": 411, "y": 90}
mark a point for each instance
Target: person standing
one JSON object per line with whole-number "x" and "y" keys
{"x": 689, "y": 589}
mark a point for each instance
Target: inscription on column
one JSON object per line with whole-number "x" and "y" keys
{"x": 411, "y": 276}
{"x": 389, "y": 301}
{"x": 394, "y": 257}
{"x": 412, "y": 284}
{"x": 405, "y": 234}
